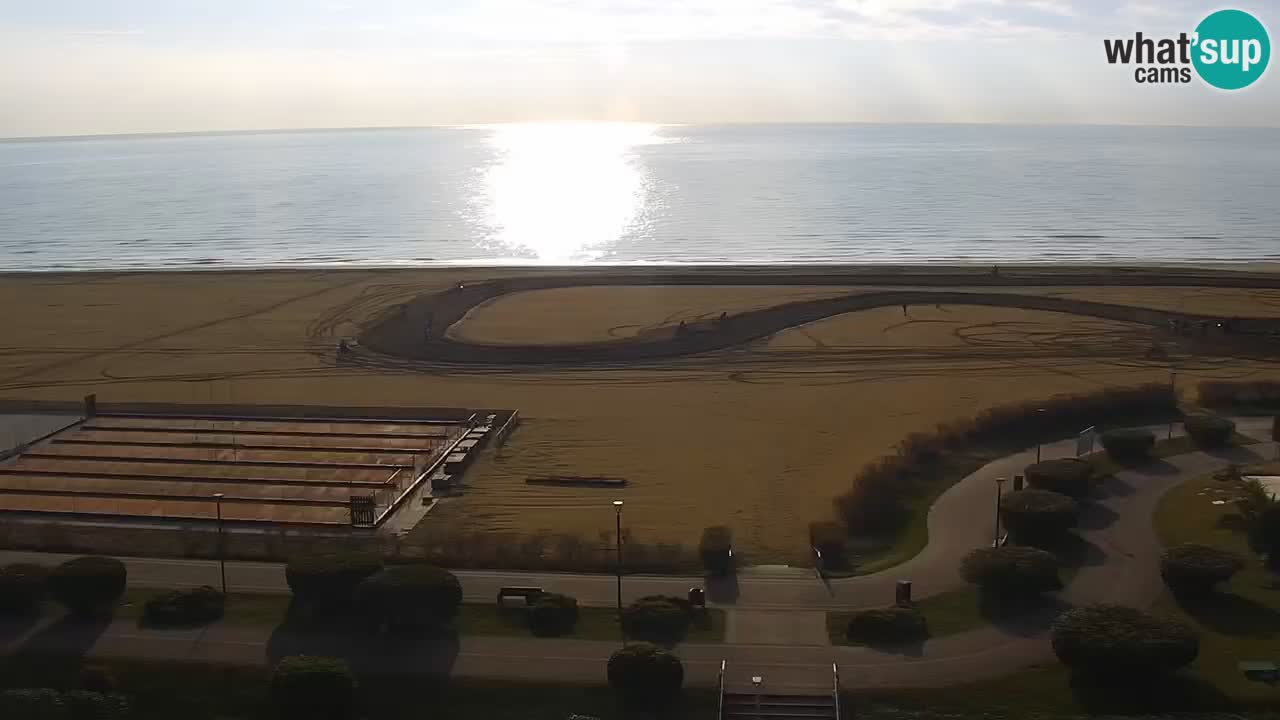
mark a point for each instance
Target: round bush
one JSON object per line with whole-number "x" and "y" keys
{"x": 1192, "y": 570}
{"x": 716, "y": 550}
{"x": 656, "y": 619}
{"x": 313, "y": 688}
{"x": 886, "y": 626}
{"x": 328, "y": 581}
{"x": 1209, "y": 431}
{"x": 409, "y": 596}
{"x": 1012, "y": 571}
{"x": 551, "y": 615}
{"x": 1069, "y": 476}
{"x": 1130, "y": 444}
{"x": 1038, "y": 516}
{"x": 645, "y": 676}
{"x": 22, "y": 587}
{"x": 1121, "y": 642}
{"x": 89, "y": 585}
{"x": 33, "y": 704}
{"x": 184, "y": 607}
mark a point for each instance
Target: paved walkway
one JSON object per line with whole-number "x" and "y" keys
{"x": 774, "y": 618}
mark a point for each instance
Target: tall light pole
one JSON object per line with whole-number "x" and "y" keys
{"x": 999, "y": 486}
{"x": 617, "y": 507}
{"x": 222, "y": 554}
{"x": 1039, "y": 415}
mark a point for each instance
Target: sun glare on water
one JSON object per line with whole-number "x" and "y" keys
{"x": 565, "y": 192}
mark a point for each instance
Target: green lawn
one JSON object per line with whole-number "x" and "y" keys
{"x": 473, "y": 619}
{"x": 1245, "y": 623}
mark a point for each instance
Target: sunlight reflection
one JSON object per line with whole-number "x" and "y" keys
{"x": 565, "y": 192}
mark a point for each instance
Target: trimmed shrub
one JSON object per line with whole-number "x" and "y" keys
{"x": 88, "y": 586}
{"x": 22, "y": 587}
{"x": 1209, "y": 431}
{"x": 1192, "y": 571}
{"x": 656, "y": 618}
{"x": 1038, "y": 516}
{"x": 1129, "y": 444}
{"x": 831, "y": 540}
{"x": 184, "y": 607}
{"x": 716, "y": 550}
{"x": 883, "y": 626}
{"x": 33, "y": 704}
{"x": 409, "y": 597}
{"x": 328, "y": 582}
{"x": 89, "y": 705}
{"x": 876, "y": 502}
{"x": 1069, "y": 476}
{"x": 304, "y": 687}
{"x": 1121, "y": 642}
{"x": 552, "y": 615}
{"x": 1012, "y": 571}
{"x": 645, "y": 676}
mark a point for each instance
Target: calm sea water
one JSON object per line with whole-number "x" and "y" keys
{"x": 641, "y": 193}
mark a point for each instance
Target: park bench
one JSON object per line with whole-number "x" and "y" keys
{"x": 528, "y": 593}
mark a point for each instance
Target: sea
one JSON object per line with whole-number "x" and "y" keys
{"x": 578, "y": 194}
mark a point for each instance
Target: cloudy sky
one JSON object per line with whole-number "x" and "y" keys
{"x": 110, "y": 66}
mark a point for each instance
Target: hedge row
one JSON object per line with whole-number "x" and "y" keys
{"x": 1210, "y": 431}
{"x": 47, "y": 704}
{"x": 657, "y": 618}
{"x": 1129, "y": 444}
{"x": 1228, "y": 395}
{"x": 1068, "y": 476}
{"x": 884, "y": 626}
{"x": 645, "y": 676}
{"x": 876, "y": 502}
{"x": 1012, "y": 572}
{"x": 1038, "y": 517}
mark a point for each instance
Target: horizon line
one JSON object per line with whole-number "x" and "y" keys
{"x": 476, "y": 126}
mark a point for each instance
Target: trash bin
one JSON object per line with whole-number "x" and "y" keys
{"x": 697, "y": 597}
{"x": 902, "y": 597}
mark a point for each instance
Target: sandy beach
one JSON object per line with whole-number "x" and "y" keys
{"x": 759, "y": 437}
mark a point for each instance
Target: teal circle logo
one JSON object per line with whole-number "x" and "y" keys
{"x": 1231, "y": 49}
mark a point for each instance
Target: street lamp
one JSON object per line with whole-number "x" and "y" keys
{"x": 617, "y": 507}
{"x": 222, "y": 555}
{"x": 999, "y": 486}
{"x": 1039, "y": 415}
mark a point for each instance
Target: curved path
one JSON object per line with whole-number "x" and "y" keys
{"x": 399, "y": 332}
{"x": 1121, "y": 566}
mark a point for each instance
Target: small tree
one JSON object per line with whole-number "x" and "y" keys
{"x": 645, "y": 676}
{"x": 22, "y": 587}
{"x": 327, "y": 582}
{"x": 409, "y": 596}
{"x": 1038, "y": 517}
{"x": 1191, "y": 571}
{"x": 889, "y": 625}
{"x": 830, "y": 540}
{"x": 1209, "y": 431}
{"x": 1012, "y": 572}
{"x": 1129, "y": 445}
{"x": 716, "y": 550}
{"x": 656, "y": 618}
{"x": 88, "y": 586}
{"x": 1121, "y": 642}
{"x": 552, "y": 615}
{"x": 313, "y": 688}
{"x": 1068, "y": 476}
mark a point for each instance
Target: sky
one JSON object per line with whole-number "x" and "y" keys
{"x": 71, "y": 67}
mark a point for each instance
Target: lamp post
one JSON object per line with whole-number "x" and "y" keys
{"x": 999, "y": 487}
{"x": 617, "y": 507}
{"x": 222, "y": 555}
{"x": 1039, "y": 415}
